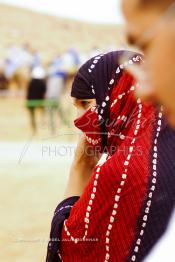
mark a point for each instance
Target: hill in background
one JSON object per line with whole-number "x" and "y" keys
{"x": 52, "y": 35}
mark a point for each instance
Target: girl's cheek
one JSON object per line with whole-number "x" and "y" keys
{"x": 80, "y": 111}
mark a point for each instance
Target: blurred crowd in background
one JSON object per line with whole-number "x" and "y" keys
{"x": 21, "y": 61}
{"x": 24, "y": 74}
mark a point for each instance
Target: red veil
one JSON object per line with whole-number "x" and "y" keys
{"x": 102, "y": 224}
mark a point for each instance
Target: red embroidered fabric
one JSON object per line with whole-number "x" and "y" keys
{"x": 102, "y": 224}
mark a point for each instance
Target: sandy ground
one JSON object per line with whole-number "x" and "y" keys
{"x": 30, "y": 188}
{"x": 33, "y": 173}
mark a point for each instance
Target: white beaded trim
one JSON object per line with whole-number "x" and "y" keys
{"x": 123, "y": 118}
{"x": 152, "y": 189}
{"x": 120, "y": 96}
{"x": 61, "y": 209}
{"x": 59, "y": 255}
{"x": 112, "y": 133}
{"x": 128, "y": 63}
{"x": 93, "y": 141}
{"x": 122, "y": 183}
{"x": 93, "y": 90}
{"x": 88, "y": 138}
{"x": 88, "y": 209}
{"x": 111, "y": 82}
{"x": 92, "y": 66}
{"x": 94, "y": 63}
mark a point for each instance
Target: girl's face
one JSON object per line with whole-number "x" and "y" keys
{"x": 82, "y": 105}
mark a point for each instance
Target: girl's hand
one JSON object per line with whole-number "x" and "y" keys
{"x": 82, "y": 167}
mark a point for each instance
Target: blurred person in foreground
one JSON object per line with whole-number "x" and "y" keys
{"x": 151, "y": 27}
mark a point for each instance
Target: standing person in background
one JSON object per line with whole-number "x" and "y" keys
{"x": 70, "y": 61}
{"x": 151, "y": 27}
{"x": 3, "y": 79}
{"x": 18, "y": 62}
{"x": 36, "y": 60}
{"x": 55, "y": 87}
{"x": 35, "y": 94}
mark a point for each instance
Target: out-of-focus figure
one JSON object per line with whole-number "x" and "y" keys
{"x": 151, "y": 27}
{"x": 36, "y": 94}
{"x": 55, "y": 88}
{"x": 3, "y": 80}
{"x": 70, "y": 61}
{"x": 18, "y": 63}
{"x": 36, "y": 60}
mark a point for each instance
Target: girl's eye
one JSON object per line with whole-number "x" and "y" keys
{"x": 85, "y": 103}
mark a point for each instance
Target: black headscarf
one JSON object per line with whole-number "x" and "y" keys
{"x": 96, "y": 78}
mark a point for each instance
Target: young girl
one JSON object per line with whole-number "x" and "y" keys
{"x": 115, "y": 211}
